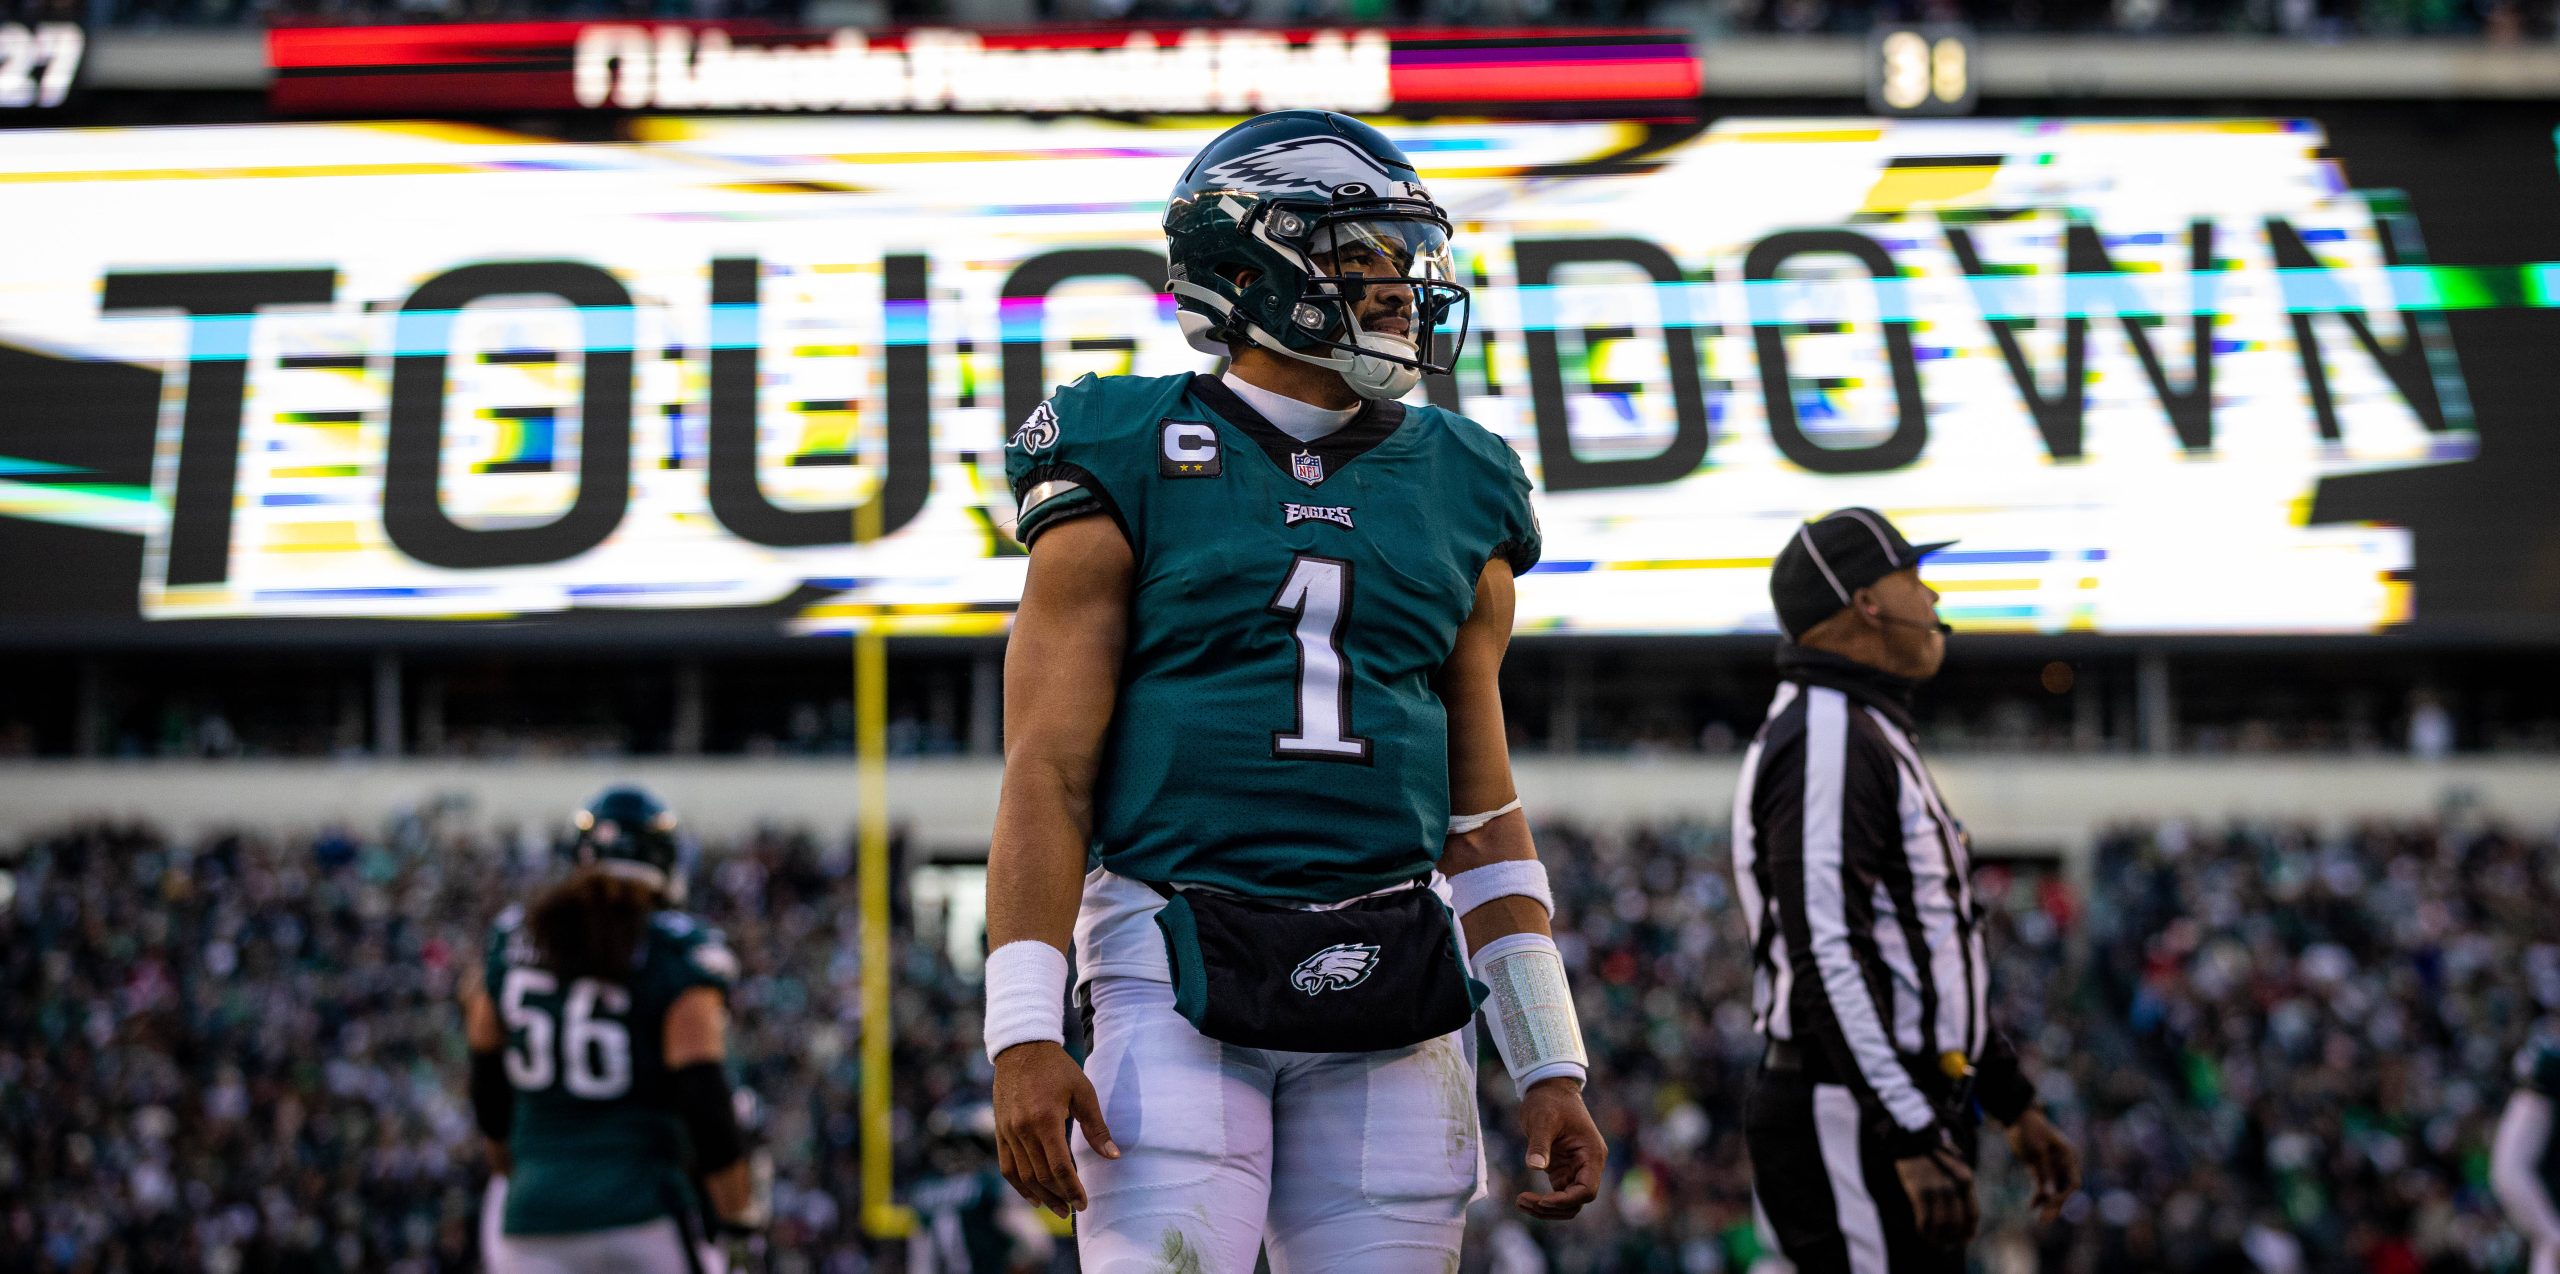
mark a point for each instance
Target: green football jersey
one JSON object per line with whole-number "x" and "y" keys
{"x": 1278, "y": 733}
{"x": 596, "y": 1140}
{"x": 2538, "y": 1070}
{"x": 960, "y": 1220}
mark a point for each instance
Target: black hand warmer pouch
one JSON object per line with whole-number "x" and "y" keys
{"x": 1379, "y": 973}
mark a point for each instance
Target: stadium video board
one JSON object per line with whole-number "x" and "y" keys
{"x": 428, "y": 371}
{"x": 745, "y": 65}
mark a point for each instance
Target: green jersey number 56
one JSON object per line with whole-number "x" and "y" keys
{"x": 588, "y": 1035}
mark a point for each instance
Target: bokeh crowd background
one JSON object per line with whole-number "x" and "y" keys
{"x": 2255, "y": 734}
{"x": 2281, "y": 1048}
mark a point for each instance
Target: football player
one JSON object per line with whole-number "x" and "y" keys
{"x": 967, "y": 1220}
{"x": 2524, "y": 1161}
{"x": 598, "y": 1035}
{"x": 1252, "y": 686}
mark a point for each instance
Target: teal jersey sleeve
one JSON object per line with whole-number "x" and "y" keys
{"x": 2538, "y": 1069}
{"x": 504, "y": 933}
{"x": 1090, "y": 449}
{"x": 1522, "y": 546}
{"x": 697, "y": 954}
{"x": 1505, "y": 486}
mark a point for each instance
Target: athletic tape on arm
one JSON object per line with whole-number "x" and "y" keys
{"x": 1461, "y": 824}
{"x": 1026, "y": 995}
{"x": 1510, "y": 878}
{"x": 1531, "y": 1008}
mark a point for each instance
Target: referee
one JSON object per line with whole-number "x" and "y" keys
{"x": 1869, "y": 978}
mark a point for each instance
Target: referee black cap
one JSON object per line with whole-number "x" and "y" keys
{"x": 1830, "y": 558}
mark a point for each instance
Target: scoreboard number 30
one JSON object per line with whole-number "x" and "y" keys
{"x": 1921, "y": 70}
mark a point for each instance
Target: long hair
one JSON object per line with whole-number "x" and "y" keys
{"x": 589, "y": 925}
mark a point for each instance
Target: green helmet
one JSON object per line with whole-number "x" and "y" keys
{"x": 1309, "y": 233}
{"x": 629, "y": 832}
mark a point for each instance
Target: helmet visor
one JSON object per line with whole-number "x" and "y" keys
{"x": 1391, "y": 276}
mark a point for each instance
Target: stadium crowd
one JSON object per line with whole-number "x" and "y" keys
{"x": 825, "y": 728}
{"x": 2282, "y": 1050}
{"x": 2334, "y": 1017}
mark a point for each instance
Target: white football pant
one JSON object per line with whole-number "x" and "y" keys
{"x": 1344, "y": 1163}
{"x": 651, "y": 1247}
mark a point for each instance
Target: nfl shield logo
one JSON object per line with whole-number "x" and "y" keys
{"x": 1306, "y": 467}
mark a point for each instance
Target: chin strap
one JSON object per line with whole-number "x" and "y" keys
{"x": 1368, "y": 375}
{"x": 1378, "y": 378}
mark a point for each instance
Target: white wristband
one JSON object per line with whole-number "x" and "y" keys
{"x": 1531, "y": 1008}
{"x": 1461, "y": 824}
{"x": 1510, "y": 878}
{"x": 1026, "y": 995}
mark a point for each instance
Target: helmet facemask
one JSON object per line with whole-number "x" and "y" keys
{"x": 1379, "y": 302}
{"x": 1379, "y": 293}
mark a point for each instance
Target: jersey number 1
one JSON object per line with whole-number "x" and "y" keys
{"x": 1317, "y": 594}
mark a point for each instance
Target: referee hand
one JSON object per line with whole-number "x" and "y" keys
{"x": 2050, "y": 1157}
{"x": 1941, "y": 1190}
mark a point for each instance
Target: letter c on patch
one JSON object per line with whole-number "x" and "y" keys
{"x": 1190, "y": 450}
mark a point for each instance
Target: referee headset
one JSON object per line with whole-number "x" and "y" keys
{"x": 1804, "y": 536}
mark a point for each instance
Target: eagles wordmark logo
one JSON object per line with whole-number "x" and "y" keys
{"x": 1039, "y": 430}
{"x": 1339, "y": 967}
{"x": 1339, "y": 515}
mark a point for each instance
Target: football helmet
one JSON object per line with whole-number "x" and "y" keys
{"x": 1309, "y": 234}
{"x": 629, "y": 832}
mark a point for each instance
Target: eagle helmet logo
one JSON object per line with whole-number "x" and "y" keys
{"x": 1248, "y": 229}
{"x": 1313, "y": 165}
{"x": 1339, "y": 967}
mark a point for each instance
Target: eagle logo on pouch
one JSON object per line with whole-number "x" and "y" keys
{"x": 1306, "y": 467}
{"x": 1339, "y": 967}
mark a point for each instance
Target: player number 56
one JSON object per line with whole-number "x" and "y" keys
{"x": 596, "y": 1045}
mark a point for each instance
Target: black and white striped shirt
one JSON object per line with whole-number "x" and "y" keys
{"x": 1856, "y": 884}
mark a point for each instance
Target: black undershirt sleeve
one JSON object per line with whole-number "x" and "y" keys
{"x": 493, "y": 1100}
{"x": 2001, "y": 1083}
{"x": 702, "y": 1101}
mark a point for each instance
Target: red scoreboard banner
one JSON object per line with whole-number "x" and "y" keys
{"x": 749, "y": 66}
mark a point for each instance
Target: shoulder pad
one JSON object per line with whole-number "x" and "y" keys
{"x": 714, "y": 958}
{"x": 703, "y": 948}
{"x": 1090, "y": 408}
{"x": 1522, "y": 542}
{"x": 1089, "y": 448}
{"x": 509, "y": 942}
{"x": 1488, "y": 445}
